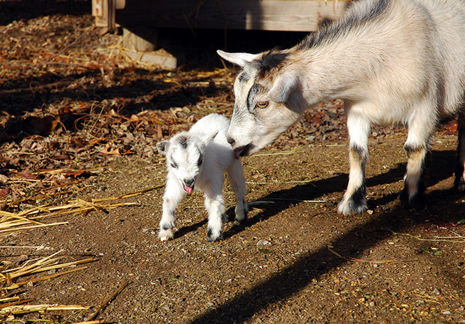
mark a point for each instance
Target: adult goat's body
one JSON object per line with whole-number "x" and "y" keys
{"x": 392, "y": 61}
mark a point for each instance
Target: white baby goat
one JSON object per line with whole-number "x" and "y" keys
{"x": 198, "y": 159}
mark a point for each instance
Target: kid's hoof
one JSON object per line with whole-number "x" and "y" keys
{"x": 213, "y": 237}
{"x": 165, "y": 235}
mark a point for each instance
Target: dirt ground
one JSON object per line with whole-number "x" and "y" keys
{"x": 79, "y": 125}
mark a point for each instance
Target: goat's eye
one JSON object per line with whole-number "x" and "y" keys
{"x": 261, "y": 104}
{"x": 174, "y": 165}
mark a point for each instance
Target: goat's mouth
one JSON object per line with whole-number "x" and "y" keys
{"x": 188, "y": 189}
{"x": 243, "y": 150}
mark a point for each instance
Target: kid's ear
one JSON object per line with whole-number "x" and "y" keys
{"x": 241, "y": 59}
{"x": 162, "y": 147}
{"x": 284, "y": 85}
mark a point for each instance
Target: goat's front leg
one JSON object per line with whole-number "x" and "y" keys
{"x": 214, "y": 203}
{"x": 460, "y": 168}
{"x": 171, "y": 198}
{"x": 354, "y": 200}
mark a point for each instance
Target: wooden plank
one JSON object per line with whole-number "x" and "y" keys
{"x": 278, "y": 15}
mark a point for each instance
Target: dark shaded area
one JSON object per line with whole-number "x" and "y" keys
{"x": 196, "y": 48}
{"x": 12, "y": 10}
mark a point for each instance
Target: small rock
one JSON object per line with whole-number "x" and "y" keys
{"x": 263, "y": 242}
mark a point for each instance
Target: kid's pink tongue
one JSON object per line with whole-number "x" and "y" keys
{"x": 188, "y": 189}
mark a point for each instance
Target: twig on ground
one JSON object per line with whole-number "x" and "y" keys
{"x": 108, "y": 300}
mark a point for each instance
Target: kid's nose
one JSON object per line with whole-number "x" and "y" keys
{"x": 189, "y": 182}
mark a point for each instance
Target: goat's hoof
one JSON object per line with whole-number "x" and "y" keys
{"x": 350, "y": 206}
{"x": 165, "y": 235}
{"x": 241, "y": 214}
{"x": 459, "y": 184}
{"x": 241, "y": 219}
{"x": 213, "y": 237}
{"x": 417, "y": 201}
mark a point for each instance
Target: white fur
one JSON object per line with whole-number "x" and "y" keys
{"x": 206, "y": 140}
{"x": 392, "y": 61}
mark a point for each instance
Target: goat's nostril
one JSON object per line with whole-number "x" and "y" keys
{"x": 231, "y": 140}
{"x": 189, "y": 182}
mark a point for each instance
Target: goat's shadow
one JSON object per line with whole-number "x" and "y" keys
{"x": 442, "y": 164}
{"x": 353, "y": 243}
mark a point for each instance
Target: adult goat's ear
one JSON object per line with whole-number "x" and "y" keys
{"x": 283, "y": 86}
{"x": 209, "y": 138}
{"x": 162, "y": 147}
{"x": 241, "y": 59}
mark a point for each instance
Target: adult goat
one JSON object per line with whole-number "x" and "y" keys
{"x": 392, "y": 61}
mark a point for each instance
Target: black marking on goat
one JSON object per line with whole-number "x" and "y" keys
{"x": 184, "y": 142}
{"x": 243, "y": 77}
{"x": 166, "y": 227}
{"x": 200, "y": 160}
{"x": 251, "y": 96}
{"x": 341, "y": 27}
{"x": 270, "y": 60}
{"x": 359, "y": 152}
{"x": 210, "y": 234}
{"x": 410, "y": 150}
{"x": 357, "y": 201}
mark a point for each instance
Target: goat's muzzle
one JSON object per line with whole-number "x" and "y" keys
{"x": 242, "y": 150}
{"x": 188, "y": 185}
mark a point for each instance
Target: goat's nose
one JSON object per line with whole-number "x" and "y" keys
{"x": 189, "y": 182}
{"x": 231, "y": 140}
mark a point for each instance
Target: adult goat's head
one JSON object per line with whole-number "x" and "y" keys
{"x": 268, "y": 99}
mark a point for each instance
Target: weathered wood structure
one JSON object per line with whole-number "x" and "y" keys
{"x": 141, "y": 18}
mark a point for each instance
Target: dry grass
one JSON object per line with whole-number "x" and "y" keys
{"x": 32, "y": 218}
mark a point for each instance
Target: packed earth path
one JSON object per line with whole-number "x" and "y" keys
{"x": 81, "y": 187}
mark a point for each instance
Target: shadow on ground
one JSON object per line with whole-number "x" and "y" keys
{"x": 354, "y": 243}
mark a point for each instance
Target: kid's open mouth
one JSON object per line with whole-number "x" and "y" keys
{"x": 243, "y": 150}
{"x": 188, "y": 189}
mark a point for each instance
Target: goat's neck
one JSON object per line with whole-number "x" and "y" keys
{"x": 333, "y": 71}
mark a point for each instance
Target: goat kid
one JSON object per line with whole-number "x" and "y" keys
{"x": 198, "y": 159}
{"x": 392, "y": 61}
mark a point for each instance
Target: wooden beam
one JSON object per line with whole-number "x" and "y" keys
{"x": 278, "y": 15}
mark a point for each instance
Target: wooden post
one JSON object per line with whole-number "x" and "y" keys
{"x": 140, "y": 39}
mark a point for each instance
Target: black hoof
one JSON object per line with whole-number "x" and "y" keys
{"x": 418, "y": 201}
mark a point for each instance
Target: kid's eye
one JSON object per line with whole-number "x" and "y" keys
{"x": 261, "y": 104}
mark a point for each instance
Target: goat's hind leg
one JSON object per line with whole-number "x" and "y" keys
{"x": 417, "y": 147}
{"x": 354, "y": 200}
{"x": 460, "y": 168}
{"x": 237, "y": 179}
